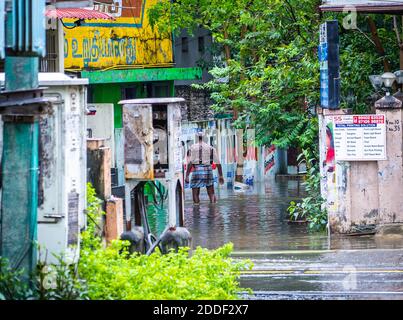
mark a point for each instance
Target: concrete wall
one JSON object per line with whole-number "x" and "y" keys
{"x": 198, "y": 102}
{"x": 364, "y": 194}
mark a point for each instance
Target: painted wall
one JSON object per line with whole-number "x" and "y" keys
{"x": 115, "y": 92}
{"x": 126, "y": 41}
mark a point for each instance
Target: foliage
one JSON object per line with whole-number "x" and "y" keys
{"x": 114, "y": 275}
{"x": 310, "y": 208}
{"x": 111, "y": 273}
{"x": 50, "y": 282}
{"x": 13, "y": 286}
{"x": 59, "y": 282}
{"x": 268, "y": 74}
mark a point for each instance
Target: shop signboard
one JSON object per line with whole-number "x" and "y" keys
{"x": 128, "y": 41}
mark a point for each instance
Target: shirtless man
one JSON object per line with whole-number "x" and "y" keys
{"x": 201, "y": 158}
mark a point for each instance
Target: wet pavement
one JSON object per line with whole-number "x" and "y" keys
{"x": 375, "y": 274}
{"x": 289, "y": 262}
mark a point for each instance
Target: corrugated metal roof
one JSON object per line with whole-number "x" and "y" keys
{"x": 365, "y": 6}
{"x": 77, "y": 13}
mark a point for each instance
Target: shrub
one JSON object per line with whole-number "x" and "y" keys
{"x": 111, "y": 273}
{"x": 311, "y": 207}
{"x": 206, "y": 274}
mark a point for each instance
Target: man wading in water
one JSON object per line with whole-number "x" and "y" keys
{"x": 201, "y": 158}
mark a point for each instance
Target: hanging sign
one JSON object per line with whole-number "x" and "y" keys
{"x": 359, "y": 137}
{"x": 329, "y": 65}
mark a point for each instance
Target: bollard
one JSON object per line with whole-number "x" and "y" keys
{"x": 136, "y": 239}
{"x": 175, "y": 238}
{"x": 114, "y": 219}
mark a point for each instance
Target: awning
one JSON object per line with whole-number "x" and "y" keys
{"x": 77, "y": 13}
{"x": 142, "y": 75}
{"x": 364, "y": 6}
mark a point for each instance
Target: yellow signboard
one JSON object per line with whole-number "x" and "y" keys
{"x": 128, "y": 41}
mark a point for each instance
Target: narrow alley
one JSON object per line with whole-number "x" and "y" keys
{"x": 116, "y": 114}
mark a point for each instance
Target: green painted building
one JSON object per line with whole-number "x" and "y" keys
{"x": 116, "y": 85}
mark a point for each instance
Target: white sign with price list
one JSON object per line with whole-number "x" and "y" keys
{"x": 360, "y": 137}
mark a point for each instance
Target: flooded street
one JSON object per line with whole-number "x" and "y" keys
{"x": 256, "y": 220}
{"x": 289, "y": 262}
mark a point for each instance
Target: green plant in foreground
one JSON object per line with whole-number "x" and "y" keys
{"x": 111, "y": 273}
{"x": 12, "y": 284}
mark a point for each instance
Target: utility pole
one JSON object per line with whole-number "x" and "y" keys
{"x": 22, "y": 102}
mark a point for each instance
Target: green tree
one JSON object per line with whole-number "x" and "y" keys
{"x": 268, "y": 77}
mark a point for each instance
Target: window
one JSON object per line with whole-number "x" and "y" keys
{"x": 185, "y": 44}
{"x": 201, "y": 44}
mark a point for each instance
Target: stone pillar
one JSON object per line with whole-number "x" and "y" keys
{"x": 99, "y": 160}
{"x": 114, "y": 219}
{"x": 335, "y": 177}
{"x": 390, "y": 171}
{"x": 350, "y": 188}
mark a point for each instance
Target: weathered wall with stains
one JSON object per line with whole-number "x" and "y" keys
{"x": 138, "y": 147}
{"x": 390, "y": 176}
{"x": 62, "y": 178}
{"x": 362, "y": 194}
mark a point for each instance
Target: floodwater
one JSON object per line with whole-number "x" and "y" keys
{"x": 257, "y": 220}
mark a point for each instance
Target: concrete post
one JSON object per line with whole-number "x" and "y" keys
{"x": 114, "y": 219}
{"x": 334, "y": 176}
{"x": 390, "y": 171}
{"x": 240, "y": 158}
{"x": 99, "y": 167}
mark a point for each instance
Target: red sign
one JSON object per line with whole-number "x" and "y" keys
{"x": 369, "y": 119}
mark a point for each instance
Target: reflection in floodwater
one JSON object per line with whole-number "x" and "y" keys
{"x": 256, "y": 220}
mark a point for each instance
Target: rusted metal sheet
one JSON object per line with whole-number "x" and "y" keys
{"x": 138, "y": 150}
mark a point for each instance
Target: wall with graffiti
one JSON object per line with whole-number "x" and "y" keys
{"x": 126, "y": 41}
{"x": 258, "y": 162}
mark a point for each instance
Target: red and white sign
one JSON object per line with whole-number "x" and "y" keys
{"x": 360, "y": 137}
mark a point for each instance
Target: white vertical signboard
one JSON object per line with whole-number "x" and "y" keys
{"x": 360, "y": 137}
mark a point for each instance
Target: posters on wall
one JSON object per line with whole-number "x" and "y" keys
{"x": 328, "y": 164}
{"x": 269, "y": 159}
